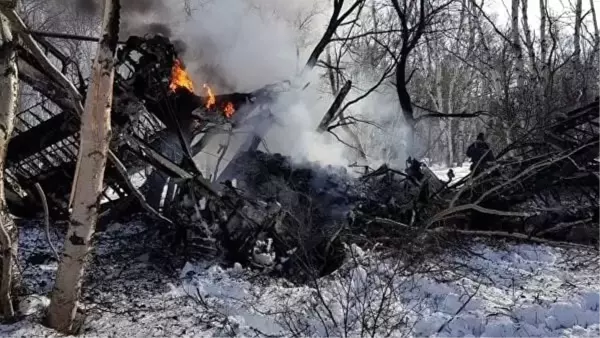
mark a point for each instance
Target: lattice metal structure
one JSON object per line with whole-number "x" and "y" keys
{"x": 151, "y": 123}
{"x": 45, "y": 142}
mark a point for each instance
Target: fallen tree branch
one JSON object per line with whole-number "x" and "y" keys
{"x": 66, "y": 36}
{"x": 472, "y": 206}
{"x": 434, "y": 113}
{"x": 563, "y": 226}
{"x": 459, "y": 310}
{"x": 443, "y": 115}
{"x": 332, "y": 112}
{"x": 138, "y": 195}
{"x": 482, "y": 233}
{"x": 552, "y": 159}
{"x": 44, "y": 202}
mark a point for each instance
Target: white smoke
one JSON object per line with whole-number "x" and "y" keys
{"x": 243, "y": 45}
{"x": 386, "y": 138}
{"x": 250, "y": 44}
{"x": 298, "y": 114}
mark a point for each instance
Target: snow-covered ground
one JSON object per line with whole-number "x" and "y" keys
{"x": 507, "y": 291}
{"x": 441, "y": 171}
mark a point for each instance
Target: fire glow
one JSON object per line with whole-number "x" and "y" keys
{"x": 229, "y": 110}
{"x": 210, "y": 101}
{"x": 181, "y": 79}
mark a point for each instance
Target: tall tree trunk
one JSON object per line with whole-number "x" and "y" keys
{"x": 596, "y": 47}
{"x": 544, "y": 69}
{"x": 543, "y": 40}
{"x": 93, "y": 147}
{"x": 528, "y": 37}
{"x": 9, "y": 94}
{"x": 335, "y": 20}
{"x": 516, "y": 44}
{"x": 405, "y": 101}
{"x": 578, "y": 74}
{"x": 450, "y": 110}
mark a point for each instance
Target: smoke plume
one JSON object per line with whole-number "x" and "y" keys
{"x": 236, "y": 45}
{"x": 144, "y": 7}
{"x": 134, "y": 14}
{"x": 242, "y": 45}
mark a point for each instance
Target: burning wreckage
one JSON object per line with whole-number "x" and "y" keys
{"x": 155, "y": 117}
{"x": 278, "y": 213}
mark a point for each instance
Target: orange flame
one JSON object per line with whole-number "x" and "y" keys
{"x": 210, "y": 100}
{"x": 229, "y": 110}
{"x": 180, "y": 78}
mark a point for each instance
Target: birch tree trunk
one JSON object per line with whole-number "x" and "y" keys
{"x": 543, "y": 57}
{"x": 516, "y": 44}
{"x": 93, "y": 147}
{"x": 596, "y": 47}
{"x": 543, "y": 40}
{"x": 528, "y": 37}
{"x": 450, "y": 110}
{"x": 9, "y": 93}
{"x": 578, "y": 74}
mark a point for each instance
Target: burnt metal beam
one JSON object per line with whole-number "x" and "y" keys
{"x": 41, "y": 136}
{"x": 38, "y": 34}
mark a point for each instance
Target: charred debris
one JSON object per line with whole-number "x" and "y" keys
{"x": 265, "y": 211}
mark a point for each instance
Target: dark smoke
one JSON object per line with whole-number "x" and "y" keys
{"x": 93, "y": 7}
{"x": 130, "y": 7}
{"x": 159, "y": 28}
{"x": 179, "y": 45}
{"x": 144, "y": 6}
{"x": 87, "y": 7}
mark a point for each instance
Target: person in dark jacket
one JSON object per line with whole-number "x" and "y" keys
{"x": 480, "y": 153}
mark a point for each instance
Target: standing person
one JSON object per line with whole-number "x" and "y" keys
{"x": 480, "y": 154}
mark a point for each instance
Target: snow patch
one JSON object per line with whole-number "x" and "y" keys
{"x": 521, "y": 290}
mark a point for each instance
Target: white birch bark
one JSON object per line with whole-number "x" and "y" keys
{"x": 528, "y": 36}
{"x": 438, "y": 101}
{"x": 543, "y": 40}
{"x": 577, "y": 32}
{"x": 9, "y": 93}
{"x": 544, "y": 68}
{"x": 450, "y": 110}
{"x": 596, "y": 47}
{"x": 516, "y": 44}
{"x": 577, "y": 66}
{"x": 93, "y": 147}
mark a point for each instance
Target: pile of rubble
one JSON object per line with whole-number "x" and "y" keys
{"x": 293, "y": 218}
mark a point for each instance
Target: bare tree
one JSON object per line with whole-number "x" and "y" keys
{"x": 415, "y": 17}
{"x": 336, "y": 19}
{"x": 577, "y": 66}
{"x": 516, "y": 43}
{"x": 88, "y": 183}
{"x": 9, "y": 93}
